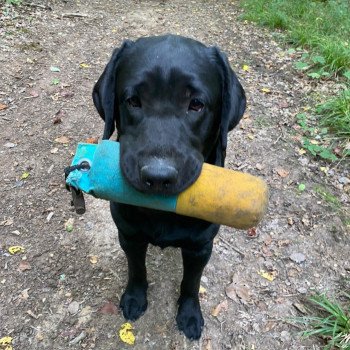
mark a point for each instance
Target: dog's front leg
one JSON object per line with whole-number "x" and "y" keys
{"x": 189, "y": 316}
{"x": 134, "y": 300}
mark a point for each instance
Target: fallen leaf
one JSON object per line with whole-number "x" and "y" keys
{"x": 223, "y": 306}
{"x": 202, "y": 291}
{"x": 84, "y": 65}
{"x": 109, "y": 309}
{"x": 282, "y": 173}
{"x": 126, "y": 335}
{"x": 24, "y": 294}
{"x": 54, "y": 150}
{"x": 302, "y": 151}
{"x": 93, "y": 140}
{"x": 25, "y": 175}
{"x": 243, "y": 294}
{"x": 246, "y": 68}
{"x": 6, "y": 343}
{"x": 7, "y": 222}
{"x": 238, "y": 291}
{"x": 93, "y": 259}
{"x": 324, "y": 169}
{"x": 270, "y": 276}
{"x": 16, "y": 249}
{"x": 24, "y": 266}
{"x": 2, "y": 106}
{"x": 62, "y": 139}
{"x": 230, "y": 291}
{"x": 252, "y": 232}
{"x": 266, "y": 90}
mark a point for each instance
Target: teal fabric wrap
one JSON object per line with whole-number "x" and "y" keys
{"x": 104, "y": 179}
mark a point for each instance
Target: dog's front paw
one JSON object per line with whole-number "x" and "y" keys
{"x": 189, "y": 317}
{"x": 134, "y": 303}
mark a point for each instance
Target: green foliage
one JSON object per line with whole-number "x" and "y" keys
{"x": 335, "y": 114}
{"x": 322, "y": 26}
{"x": 332, "y": 323}
{"x": 315, "y": 140}
{"x": 328, "y": 197}
{"x": 14, "y": 2}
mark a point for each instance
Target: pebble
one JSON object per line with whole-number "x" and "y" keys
{"x": 297, "y": 257}
{"x": 73, "y": 307}
{"x": 285, "y": 336}
{"x": 344, "y": 180}
{"x": 302, "y": 290}
{"x": 10, "y": 145}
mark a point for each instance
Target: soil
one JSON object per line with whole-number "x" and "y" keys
{"x": 61, "y": 291}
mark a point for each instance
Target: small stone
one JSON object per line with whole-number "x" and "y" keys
{"x": 73, "y": 307}
{"x": 10, "y": 145}
{"x": 297, "y": 257}
{"x": 302, "y": 290}
{"x": 344, "y": 180}
{"x": 204, "y": 279}
{"x": 285, "y": 336}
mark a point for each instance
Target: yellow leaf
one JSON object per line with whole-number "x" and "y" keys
{"x": 24, "y": 175}
{"x": 266, "y": 90}
{"x": 16, "y": 249}
{"x": 314, "y": 142}
{"x": 126, "y": 335}
{"x": 301, "y": 151}
{"x": 93, "y": 259}
{"x": 245, "y": 67}
{"x": 84, "y": 65}
{"x": 270, "y": 276}
{"x": 202, "y": 290}
{"x": 5, "y": 341}
{"x": 324, "y": 169}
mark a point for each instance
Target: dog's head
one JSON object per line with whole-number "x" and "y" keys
{"x": 173, "y": 101}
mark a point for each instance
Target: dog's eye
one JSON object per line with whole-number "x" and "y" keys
{"x": 196, "y": 105}
{"x": 134, "y": 101}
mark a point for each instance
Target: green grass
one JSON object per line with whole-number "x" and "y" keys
{"x": 323, "y": 26}
{"x": 332, "y": 323}
{"x": 335, "y": 114}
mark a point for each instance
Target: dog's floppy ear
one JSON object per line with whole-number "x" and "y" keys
{"x": 233, "y": 102}
{"x": 104, "y": 92}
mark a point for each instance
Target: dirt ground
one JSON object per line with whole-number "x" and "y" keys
{"x": 59, "y": 293}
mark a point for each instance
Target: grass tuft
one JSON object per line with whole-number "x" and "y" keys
{"x": 333, "y": 325}
{"x": 335, "y": 114}
{"x": 323, "y": 26}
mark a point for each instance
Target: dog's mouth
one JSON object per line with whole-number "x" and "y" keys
{"x": 159, "y": 175}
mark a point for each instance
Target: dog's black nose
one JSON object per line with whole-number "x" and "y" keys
{"x": 158, "y": 175}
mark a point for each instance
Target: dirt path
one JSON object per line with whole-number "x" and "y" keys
{"x": 53, "y": 292}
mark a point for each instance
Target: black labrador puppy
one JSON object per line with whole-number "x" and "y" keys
{"x": 173, "y": 101}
